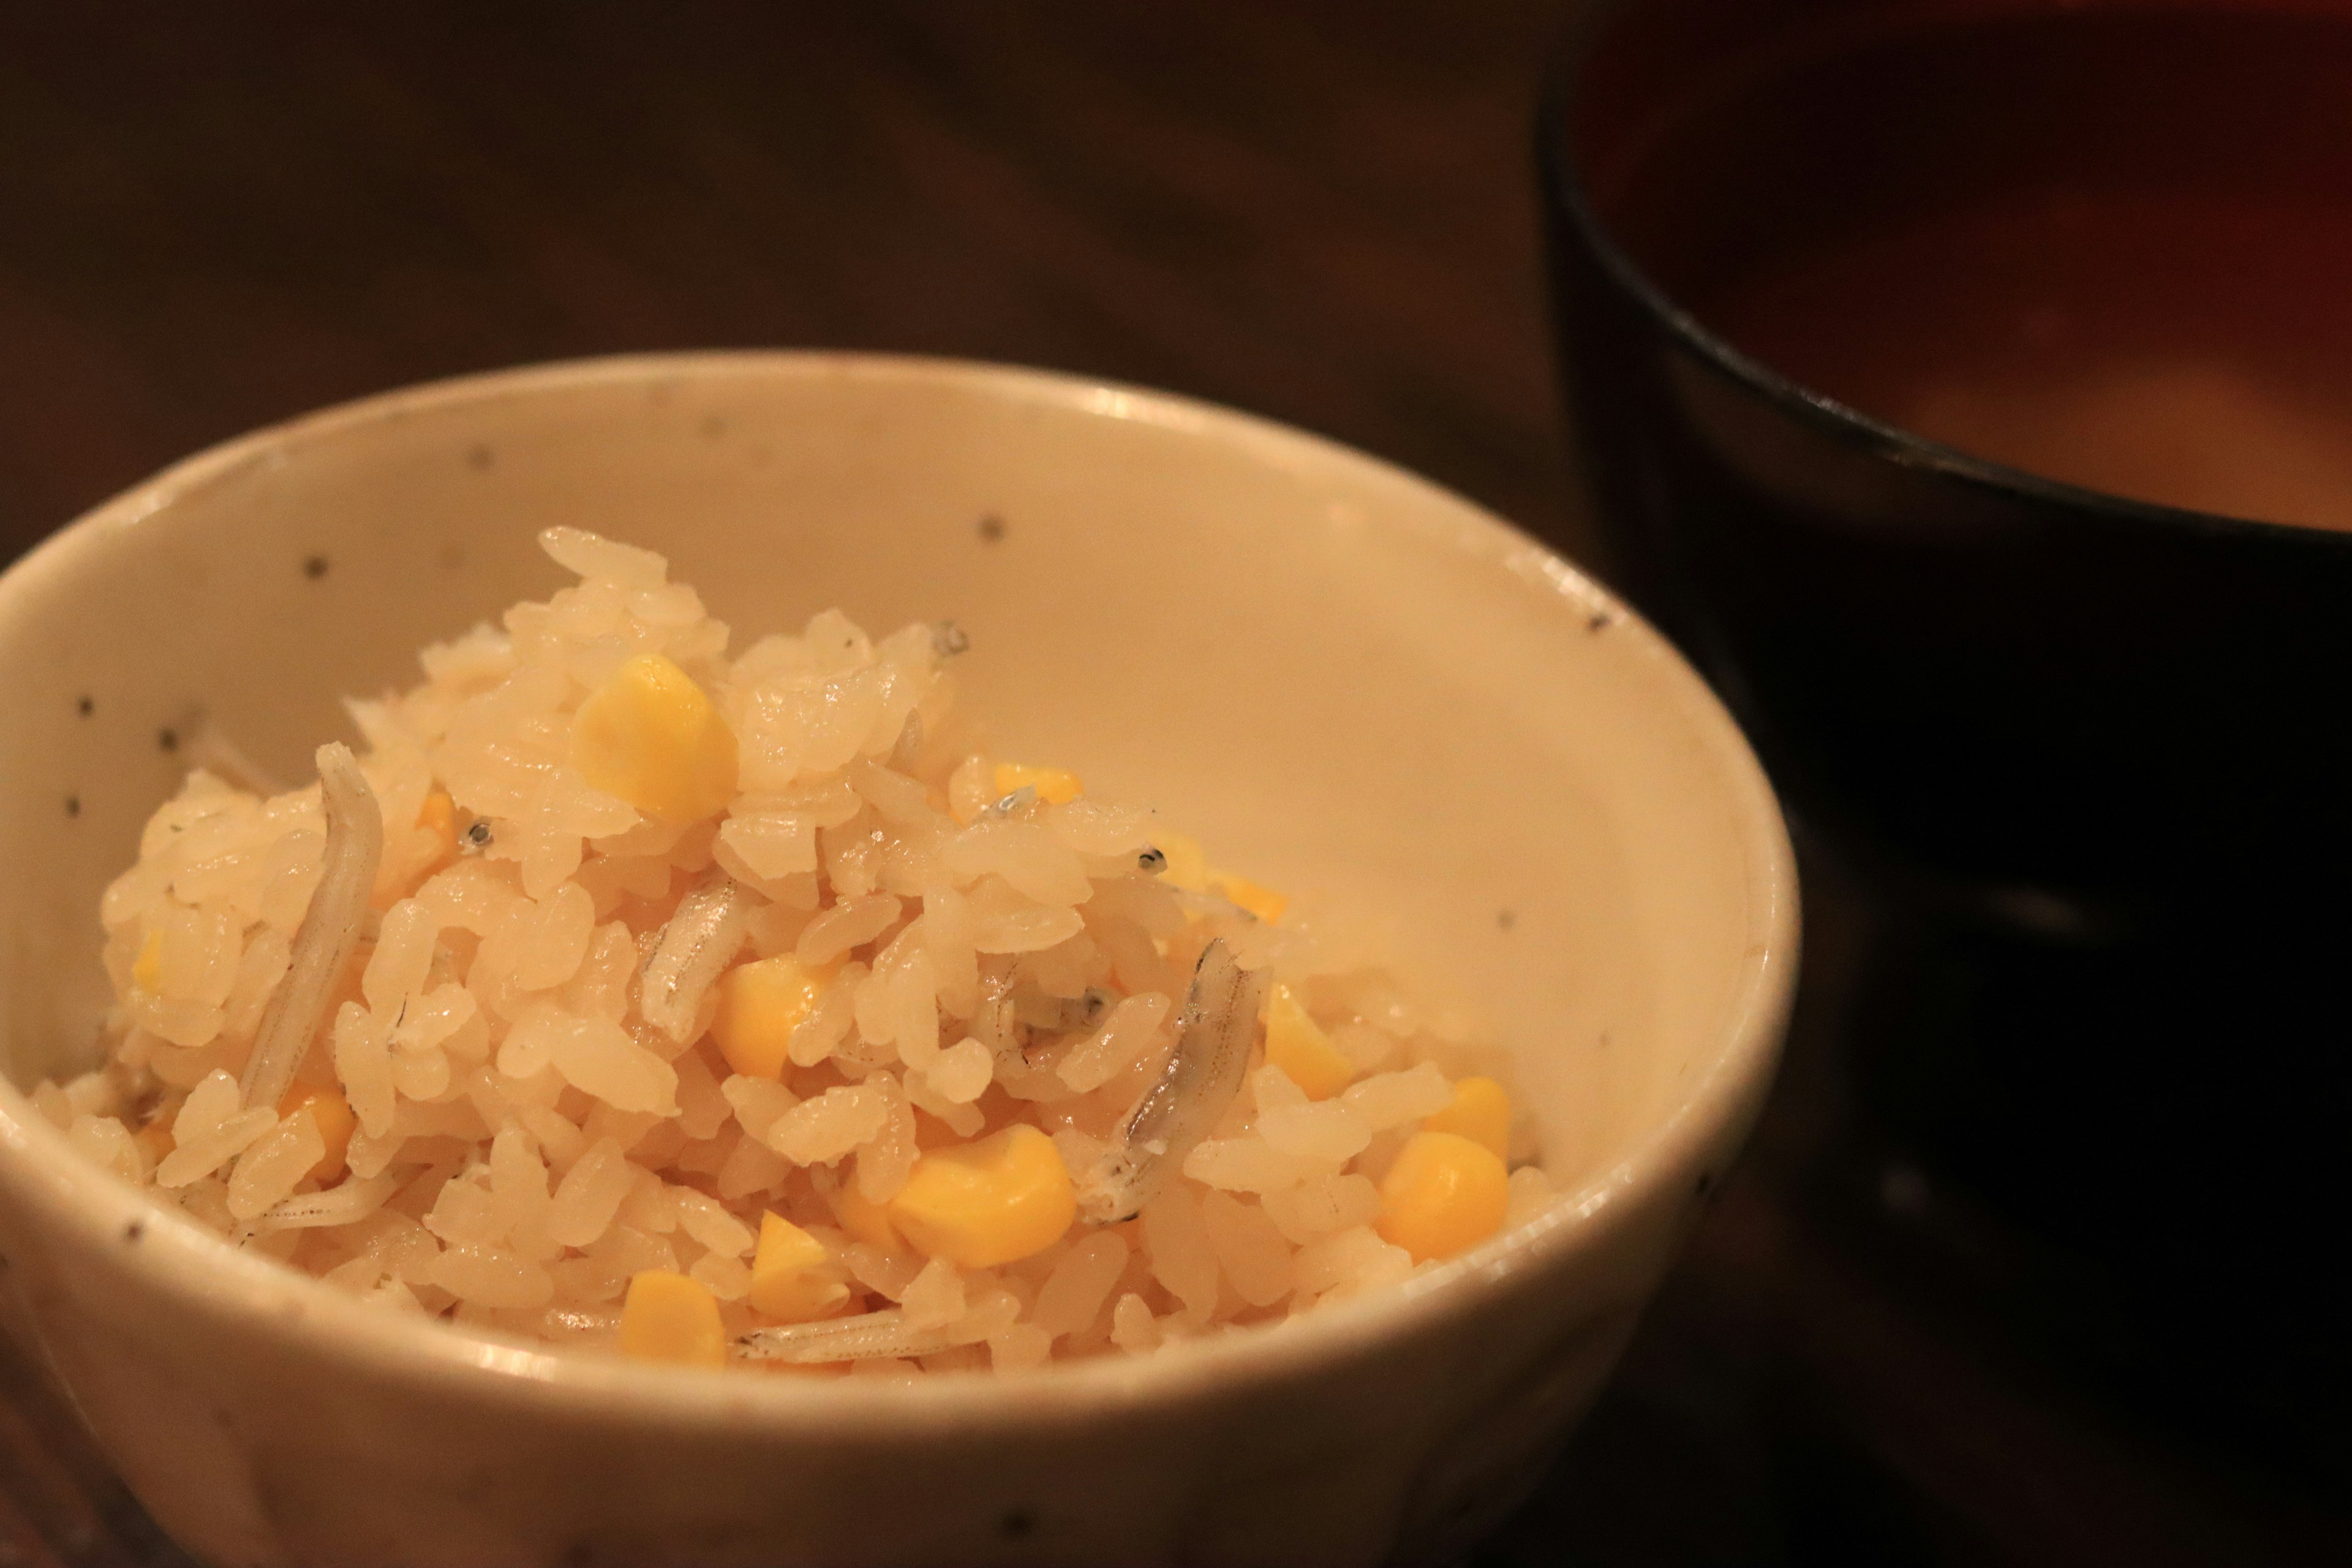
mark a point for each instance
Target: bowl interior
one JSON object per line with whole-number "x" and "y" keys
{"x": 1345, "y": 682}
{"x": 2094, "y": 247}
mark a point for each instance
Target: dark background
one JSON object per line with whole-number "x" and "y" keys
{"x": 213, "y": 217}
{"x": 216, "y": 216}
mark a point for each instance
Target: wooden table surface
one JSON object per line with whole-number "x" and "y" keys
{"x": 213, "y": 217}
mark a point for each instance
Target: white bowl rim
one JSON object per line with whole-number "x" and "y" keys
{"x": 196, "y": 1273}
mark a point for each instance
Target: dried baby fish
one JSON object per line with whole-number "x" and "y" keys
{"x": 1064, "y": 1014}
{"x": 861, "y": 1338}
{"x": 354, "y": 1200}
{"x": 1202, "y": 1075}
{"x": 329, "y": 929}
{"x": 1012, "y": 804}
{"x": 696, "y": 944}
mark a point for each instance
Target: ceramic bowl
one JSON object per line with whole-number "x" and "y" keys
{"x": 1356, "y": 684}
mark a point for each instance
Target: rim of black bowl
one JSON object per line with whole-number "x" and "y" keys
{"x": 1564, "y": 188}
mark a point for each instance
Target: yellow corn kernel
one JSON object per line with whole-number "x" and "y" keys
{"x": 651, "y": 737}
{"x": 670, "y": 1318}
{"x": 332, "y": 1114}
{"x": 1187, "y": 868}
{"x": 863, "y": 1218}
{"x": 990, "y": 1203}
{"x": 1443, "y": 1195}
{"x": 760, "y": 1005}
{"x": 1481, "y": 1112}
{"x": 147, "y": 974}
{"x": 1297, "y": 1045}
{"x": 1255, "y": 897}
{"x": 1058, "y": 786}
{"x": 791, "y": 1274}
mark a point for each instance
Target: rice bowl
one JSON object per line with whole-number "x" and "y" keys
{"x": 1282, "y": 611}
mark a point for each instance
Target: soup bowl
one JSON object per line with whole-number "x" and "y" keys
{"x": 2081, "y": 748}
{"x": 1361, "y": 684}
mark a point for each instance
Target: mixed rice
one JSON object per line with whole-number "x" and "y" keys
{"x": 624, "y": 995}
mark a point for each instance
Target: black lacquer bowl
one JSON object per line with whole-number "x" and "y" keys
{"x": 2094, "y": 756}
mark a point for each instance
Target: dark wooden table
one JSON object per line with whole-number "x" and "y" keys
{"x": 214, "y": 217}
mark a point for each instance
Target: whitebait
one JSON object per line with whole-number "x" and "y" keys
{"x": 1192, "y": 1094}
{"x": 695, "y": 947}
{"x": 354, "y": 1200}
{"x": 329, "y": 929}
{"x": 865, "y": 1337}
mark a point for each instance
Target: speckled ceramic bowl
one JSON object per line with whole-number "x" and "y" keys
{"x": 1354, "y": 683}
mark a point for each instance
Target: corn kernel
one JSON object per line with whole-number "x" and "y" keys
{"x": 1297, "y": 1045}
{"x": 791, "y": 1274}
{"x": 670, "y": 1318}
{"x": 651, "y": 737}
{"x": 1187, "y": 868}
{"x": 1481, "y": 1112}
{"x": 148, "y": 972}
{"x": 990, "y": 1203}
{"x": 1443, "y": 1195}
{"x": 863, "y": 1218}
{"x": 760, "y": 1005}
{"x": 1255, "y": 897}
{"x": 332, "y": 1114}
{"x": 1058, "y": 786}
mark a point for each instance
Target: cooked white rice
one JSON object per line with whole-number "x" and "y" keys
{"x": 517, "y": 1107}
